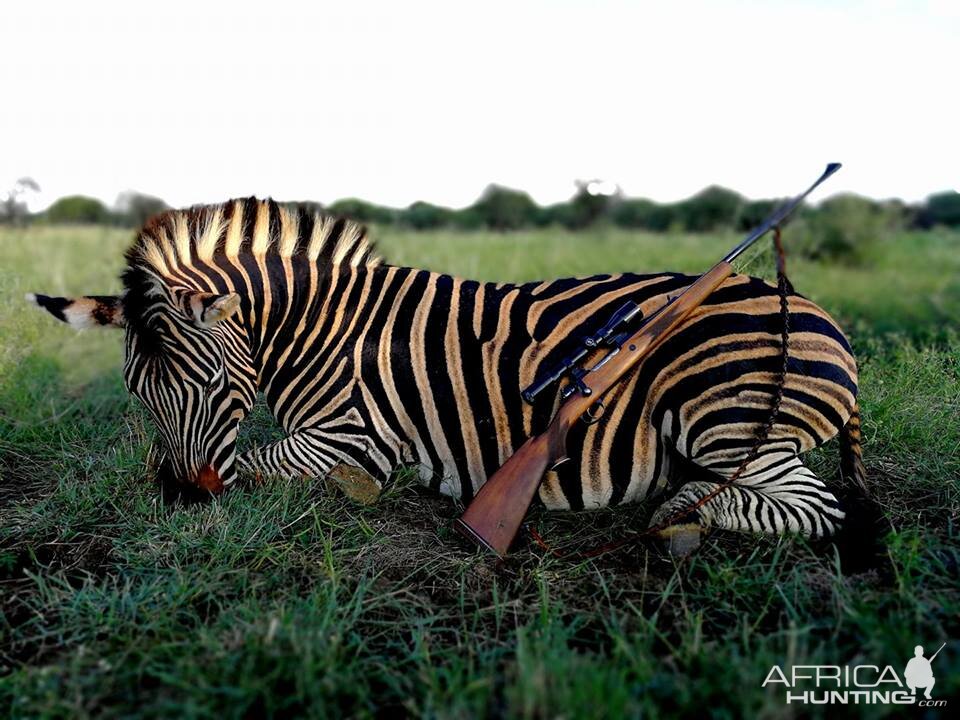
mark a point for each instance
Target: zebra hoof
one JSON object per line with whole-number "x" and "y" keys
{"x": 680, "y": 540}
{"x": 356, "y": 483}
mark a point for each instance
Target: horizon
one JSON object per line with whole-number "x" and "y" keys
{"x": 425, "y": 102}
{"x": 115, "y": 204}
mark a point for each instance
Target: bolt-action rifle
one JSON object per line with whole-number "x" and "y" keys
{"x": 494, "y": 517}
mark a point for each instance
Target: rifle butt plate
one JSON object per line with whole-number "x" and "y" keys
{"x": 470, "y": 534}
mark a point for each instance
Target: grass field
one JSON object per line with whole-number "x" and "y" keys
{"x": 289, "y": 599}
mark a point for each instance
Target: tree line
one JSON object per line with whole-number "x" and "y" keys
{"x": 501, "y": 208}
{"x": 131, "y": 209}
{"x": 714, "y": 208}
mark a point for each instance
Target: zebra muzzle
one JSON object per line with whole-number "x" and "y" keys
{"x": 209, "y": 479}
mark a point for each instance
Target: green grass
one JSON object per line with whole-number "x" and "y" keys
{"x": 910, "y": 283}
{"x": 289, "y": 599}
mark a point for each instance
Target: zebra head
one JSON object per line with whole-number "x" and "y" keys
{"x": 188, "y": 361}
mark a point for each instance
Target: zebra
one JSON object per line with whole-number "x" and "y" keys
{"x": 379, "y": 366}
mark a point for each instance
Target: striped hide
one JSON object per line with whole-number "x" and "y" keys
{"x": 380, "y": 366}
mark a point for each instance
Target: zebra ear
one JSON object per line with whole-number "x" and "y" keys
{"x": 207, "y": 309}
{"x": 82, "y": 312}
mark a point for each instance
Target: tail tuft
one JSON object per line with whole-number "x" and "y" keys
{"x": 851, "y": 452}
{"x": 861, "y": 543}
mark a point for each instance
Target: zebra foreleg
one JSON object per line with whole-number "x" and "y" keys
{"x": 297, "y": 455}
{"x": 302, "y": 455}
{"x": 784, "y": 498}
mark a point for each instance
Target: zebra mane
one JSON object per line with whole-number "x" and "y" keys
{"x": 261, "y": 228}
{"x": 178, "y": 239}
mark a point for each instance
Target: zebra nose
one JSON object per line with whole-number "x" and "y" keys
{"x": 208, "y": 479}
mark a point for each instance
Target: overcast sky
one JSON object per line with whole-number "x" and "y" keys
{"x": 401, "y": 101}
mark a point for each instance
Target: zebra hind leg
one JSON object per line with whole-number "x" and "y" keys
{"x": 783, "y": 497}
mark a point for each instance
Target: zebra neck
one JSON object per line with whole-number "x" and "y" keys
{"x": 299, "y": 312}
{"x": 317, "y": 335}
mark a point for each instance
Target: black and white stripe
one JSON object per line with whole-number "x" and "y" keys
{"x": 378, "y": 366}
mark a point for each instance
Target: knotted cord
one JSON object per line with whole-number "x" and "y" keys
{"x": 763, "y": 433}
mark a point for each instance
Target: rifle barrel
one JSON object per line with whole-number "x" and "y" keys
{"x": 778, "y": 215}
{"x": 494, "y": 516}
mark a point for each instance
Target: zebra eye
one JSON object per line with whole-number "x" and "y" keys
{"x": 214, "y": 382}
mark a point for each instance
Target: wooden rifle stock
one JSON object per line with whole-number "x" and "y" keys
{"x": 494, "y": 517}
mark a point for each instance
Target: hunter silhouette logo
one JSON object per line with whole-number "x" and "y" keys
{"x": 858, "y": 684}
{"x": 919, "y": 673}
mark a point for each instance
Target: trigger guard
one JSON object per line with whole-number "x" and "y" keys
{"x": 589, "y": 418}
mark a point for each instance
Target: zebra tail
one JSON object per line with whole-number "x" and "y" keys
{"x": 861, "y": 543}
{"x": 851, "y": 452}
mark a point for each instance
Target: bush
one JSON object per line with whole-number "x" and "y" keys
{"x": 582, "y": 210}
{"x": 664, "y": 217}
{"x": 467, "y": 219}
{"x": 362, "y": 211}
{"x": 644, "y": 214}
{"x": 133, "y": 209}
{"x": 710, "y": 209}
{"x": 77, "y": 209}
{"x": 425, "y": 216}
{"x": 636, "y": 213}
{"x": 586, "y": 208}
{"x": 556, "y": 214}
{"x": 898, "y": 214}
{"x": 940, "y": 209}
{"x": 755, "y": 212}
{"x": 501, "y": 208}
{"x": 842, "y": 228}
